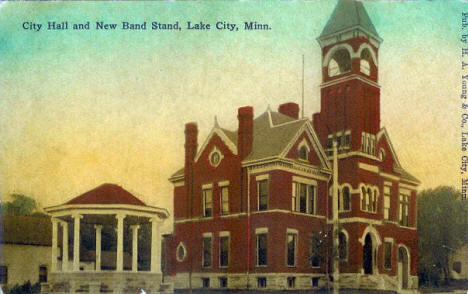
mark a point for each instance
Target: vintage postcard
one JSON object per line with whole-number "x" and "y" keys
{"x": 234, "y": 146}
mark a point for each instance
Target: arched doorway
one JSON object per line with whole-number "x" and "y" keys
{"x": 367, "y": 255}
{"x": 403, "y": 269}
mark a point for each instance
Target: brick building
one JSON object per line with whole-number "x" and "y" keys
{"x": 253, "y": 207}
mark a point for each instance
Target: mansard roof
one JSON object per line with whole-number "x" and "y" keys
{"x": 349, "y": 14}
{"x": 107, "y": 194}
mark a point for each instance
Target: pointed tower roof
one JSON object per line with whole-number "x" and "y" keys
{"x": 349, "y": 14}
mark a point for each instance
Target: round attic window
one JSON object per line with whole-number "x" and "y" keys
{"x": 215, "y": 157}
{"x": 181, "y": 252}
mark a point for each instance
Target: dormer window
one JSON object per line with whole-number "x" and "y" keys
{"x": 303, "y": 150}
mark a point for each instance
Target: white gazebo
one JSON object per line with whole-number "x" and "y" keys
{"x": 106, "y": 205}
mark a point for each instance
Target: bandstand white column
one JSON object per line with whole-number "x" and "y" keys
{"x": 120, "y": 219}
{"x": 98, "y": 246}
{"x": 65, "y": 267}
{"x": 135, "y": 248}
{"x": 76, "y": 242}
{"x": 54, "y": 244}
{"x": 155, "y": 246}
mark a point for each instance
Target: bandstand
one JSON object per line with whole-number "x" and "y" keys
{"x": 113, "y": 207}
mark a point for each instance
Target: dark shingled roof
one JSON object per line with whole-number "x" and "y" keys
{"x": 269, "y": 139}
{"x": 26, "y": 230}
{"x": 107, "y": 194}
{"x": 348, "y": 14}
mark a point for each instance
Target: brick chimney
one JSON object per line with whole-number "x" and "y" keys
{"x": 245, "y": 131}
{"x": 191, "y": 145}
{"x": 290, "y": 109}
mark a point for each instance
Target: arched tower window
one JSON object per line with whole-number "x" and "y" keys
{"x": 339, "y": 63}
{"x": 346, "y": 199}
{"x": 363, "y": 198}
{"x": 369, "y": 199}
{"x": 366, "y": 60}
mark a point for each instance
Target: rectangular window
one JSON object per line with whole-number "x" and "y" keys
{"x": 42, "y": 274}
{"x": 261, "y": 282}
{"x": 315, "y": 249}
{"x": 291, "y": 282}
{"x": 262, "y": 249}
{"x": 387, "y": 197}
{"x": 223, "y": 282}
{"x": 225, "y": 200}
{"x": 403, "y": 211}
{"x": 207, "y": 202}
{"x": 388, "y": 255}
{"x": 3, "y": 274}
{"x": 207, "y": 249}
{"x": 224, "y": 251}
{"x": 263, "y": 195}
{"x": 303, "y": 198}
{"x": 291, "y": 249}
{"x": 206, "y": 282}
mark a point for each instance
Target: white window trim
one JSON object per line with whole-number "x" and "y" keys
{"x": 207, "y": 186}
{"x": 261, "y": 231}
{"x": 309, "y": 182}
{"x": 204, "y": 202}
{"x": 223, "y": 184}
{"x": 341, "y": 195}
{"x": 262, "y": 177}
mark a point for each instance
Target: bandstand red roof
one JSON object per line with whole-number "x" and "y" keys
{"x": 107, "y": 194}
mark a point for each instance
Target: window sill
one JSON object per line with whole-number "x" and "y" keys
{"x": 261, "y": 265}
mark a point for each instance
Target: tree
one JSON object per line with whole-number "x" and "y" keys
{"x": 442, "y": 221}
{"x": 21, "y": 205}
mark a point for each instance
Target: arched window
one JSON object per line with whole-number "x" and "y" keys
{"x": 339, "y": 63}
{"x": 342, "y": 246}
{"x": 374, "y": 201}
{"x": 366, "y": 60}
{"x": 346, "y": 199}
{"x": 369, "y": 199}
{"x": 303, "y": 152}
{"x": 363, "y": 199}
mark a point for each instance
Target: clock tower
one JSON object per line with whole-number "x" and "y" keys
{"x": 350, "y": 94}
